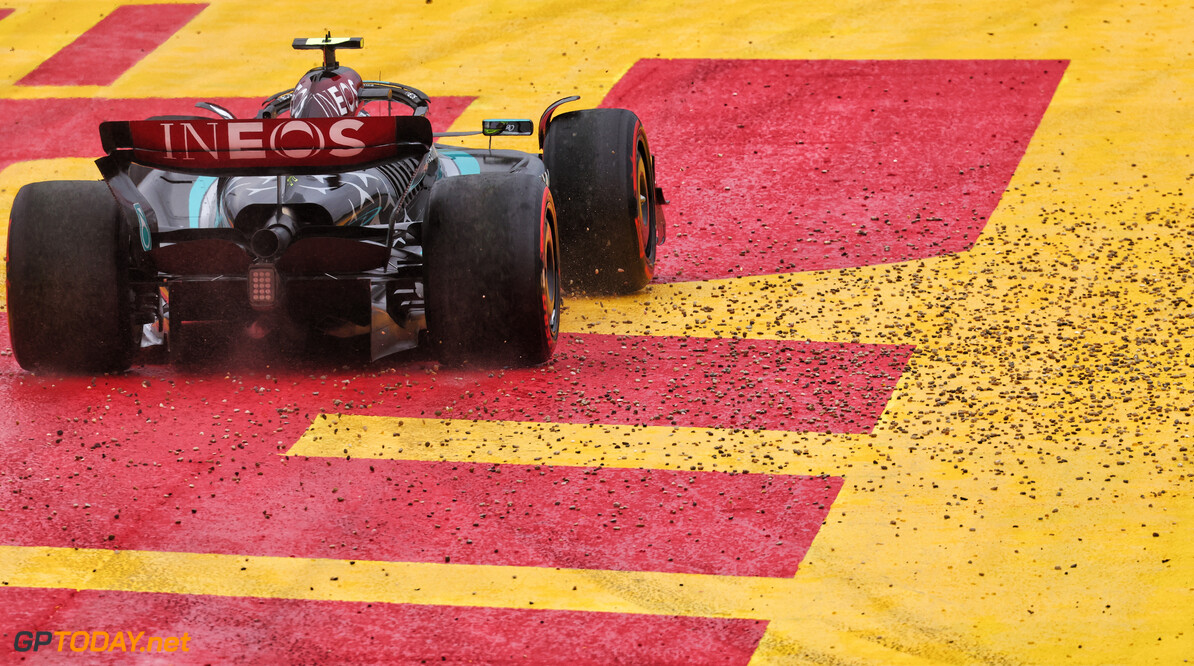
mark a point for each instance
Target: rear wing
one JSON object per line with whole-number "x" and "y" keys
{"x": 264, "y": 146}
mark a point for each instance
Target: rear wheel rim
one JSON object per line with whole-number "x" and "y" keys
{"x": 645, "y": 221}
{"x": 549, "y": 279}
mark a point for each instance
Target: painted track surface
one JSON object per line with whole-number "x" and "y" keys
{"x": 912, "y": 386}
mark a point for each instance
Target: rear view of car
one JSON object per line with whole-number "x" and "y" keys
{"x": 318, "y": 219}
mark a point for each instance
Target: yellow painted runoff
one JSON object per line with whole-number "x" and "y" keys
{"x": 1025, "y": 495}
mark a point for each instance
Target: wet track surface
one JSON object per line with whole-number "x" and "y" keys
{"x": 912, "y": 384}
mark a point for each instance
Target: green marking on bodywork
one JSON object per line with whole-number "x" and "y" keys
{"x": 143, "y": 226}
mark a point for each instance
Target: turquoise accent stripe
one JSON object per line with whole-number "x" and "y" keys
{"x": 467, "y": 164}
{"x": 143, "y": 227}
{"x": 198, "y": 190}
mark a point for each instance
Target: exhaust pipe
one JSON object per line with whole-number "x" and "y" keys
{"x": 273, "y": 239}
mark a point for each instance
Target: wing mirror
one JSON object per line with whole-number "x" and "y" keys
{"x": 500, "y": 127}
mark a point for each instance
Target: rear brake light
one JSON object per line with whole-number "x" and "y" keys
{"x": 264, "y": 286}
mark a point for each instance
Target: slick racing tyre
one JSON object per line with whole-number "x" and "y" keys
{"x": 602, "y": 176}
{"x": 492, "y": 270}
{"x": 69, "y": 304}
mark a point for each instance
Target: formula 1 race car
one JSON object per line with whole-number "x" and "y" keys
{"x": 328, "y": 215}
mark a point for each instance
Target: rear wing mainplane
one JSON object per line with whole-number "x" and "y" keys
{"x": 266, "y": 146}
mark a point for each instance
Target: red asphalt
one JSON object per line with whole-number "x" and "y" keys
{"x": 284, "y": 631}
{"x": 161, "y": 461}
{"x": 120, "y": 40}
{"x": 708, "y": 383}
{"x": 189, "y": 461}
{"x": 787, "y": 166}
{"x": 111, "y": 462}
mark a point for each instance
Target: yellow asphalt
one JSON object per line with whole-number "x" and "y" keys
{"x": 1024, "y": 498}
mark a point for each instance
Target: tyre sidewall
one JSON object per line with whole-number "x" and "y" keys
{"x": 592, "y": 158}
{"x": 67, "y": 283}
{"x": 484, "y": 246}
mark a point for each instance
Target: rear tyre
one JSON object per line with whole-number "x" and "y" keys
{"x": 492, "y": 286}
{"x": 69, "y": 304}
{"x": 603, "y": 180}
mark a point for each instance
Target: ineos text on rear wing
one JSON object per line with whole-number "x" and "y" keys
{"x": 267, "y": 146}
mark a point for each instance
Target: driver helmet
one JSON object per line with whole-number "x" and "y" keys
{"x": 327, "y": 93}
